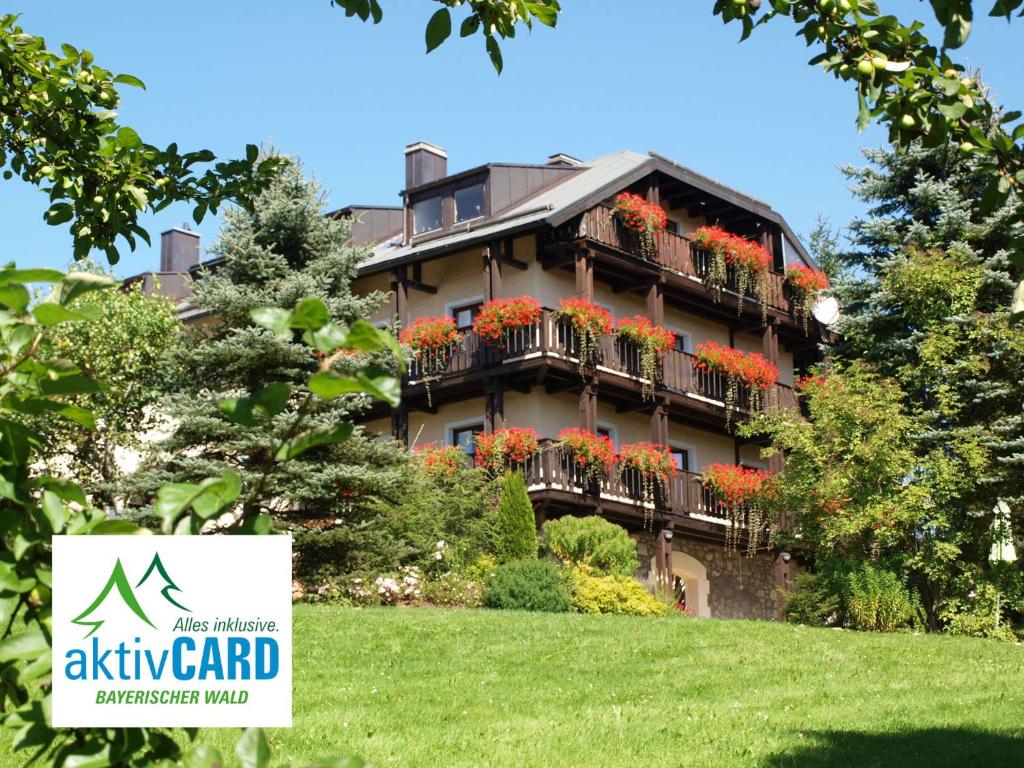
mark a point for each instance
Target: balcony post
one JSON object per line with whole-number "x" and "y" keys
{"x": 585, "y": 274}
{"x": 659, "y": 423}
{"x": 494, "y": 406}
{"x": 770, "y": 342}
{"x": 588, "y": 405}
{"x": 653, "y": 191}
{"x": 400, "y": 288}
{"x": 656, "y": 302}
{"x": 663, "y": 558}
{"x": 400, "y": 423}
{"x": 492, "y": 271}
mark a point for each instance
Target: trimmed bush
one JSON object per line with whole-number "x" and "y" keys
{"x": 877, "y": 599}
{"x": 593, "y": 542}
{"x": 527, "y": 585}
{"x": 516, "y": 529}
{"x": 613, "y": 594}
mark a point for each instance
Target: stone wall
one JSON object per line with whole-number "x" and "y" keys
{"x": 739, "y": 587}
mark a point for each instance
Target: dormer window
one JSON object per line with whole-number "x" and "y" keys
{"x": 426, "y": 215}
{"x": 469, "y": 203}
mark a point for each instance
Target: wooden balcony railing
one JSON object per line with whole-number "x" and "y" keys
{"x": 672, "y": 251}
{"x": 684, "y": 495}
{"x": 554, "y": 336}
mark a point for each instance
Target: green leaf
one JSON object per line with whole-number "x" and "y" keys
{"x": 953, "y": 111}
{"x": 70, "y": 384}
{"x": 131, "y": 80}
{"x": 207, "y": 499}
{"x": 127, "y": 138}
{"x": 266, "y": 403}
{"x": 76, "y": 284}
{"x": 118, "y": 527}
{"x": 364, "y": 337}
{"x": 253, "y": 751}
{"x": 327, "y": 339}
{"x": 438, "y": 28}
{"x": 311, "y": 314}
{"x": 203, "y": 756}
{"x": 329, "y": 385}
{"x": 275, "y": 319}
{"x": 8, "y": 276}
{"x": 312, "y": 438}
{"x": 15, "y": 297}
{"x": 24, "y": 645}
{"x": 494, "y": 51}
{"x": 469, "y": 25}
{"x": 49, "y": 314}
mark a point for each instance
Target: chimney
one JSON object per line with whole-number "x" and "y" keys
{"x": 424, "y": 163}
{"x": 179, "y": 250}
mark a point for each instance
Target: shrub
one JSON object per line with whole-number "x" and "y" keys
{"x": 979, "y": 615}
{"x": 527, "y": 585}
{"x": 516, "y": 529}
{"x": 452, "y": 591}
{"x": 877, "y": 599}
{"x": 593, "y": 542}
{"x": 812, "y": 601}
{"x": 613, "y": 594}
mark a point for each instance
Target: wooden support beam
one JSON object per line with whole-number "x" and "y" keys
{"x": 656, "y": 302}
{"x": 585, "y": 274}
{"x": 507, "y": 256}
{"x": 400, "y": 424}
{"x": 400, "y": 289}
{"x": 588, "y": 406}
{"x": 770, "y": 342}
{"x": 416, "y": 281}
{"x": 659, "y": 424}
{"x": 494, "y": 405}
{"x": 492, "y": 271}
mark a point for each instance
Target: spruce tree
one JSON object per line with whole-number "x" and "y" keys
{"x": 926, "y": 289}
{"x": 516, "y": 534}
{"x": 283, "y": 250}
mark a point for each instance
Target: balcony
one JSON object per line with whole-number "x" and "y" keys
{"x": 553, "y": 477}
{"x": 675, "y": 253}
{"x": 553, "y": 345}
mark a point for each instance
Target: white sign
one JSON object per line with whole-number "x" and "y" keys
{"x": 172, "y": 631}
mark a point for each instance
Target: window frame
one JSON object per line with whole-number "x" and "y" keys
{"x": 455, "y": 204}
{"x": 453, "y": 427}
{"x": 440, "y": 219}
{"x": 613, "y": 432}
{"x": 691, "y": 449}
{"x": 451, "y": 307}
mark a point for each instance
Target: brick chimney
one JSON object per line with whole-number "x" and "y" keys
{"x": 424, "y": 163}
{"x": 179, "y": 250}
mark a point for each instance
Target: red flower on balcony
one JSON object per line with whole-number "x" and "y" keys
{"x": 594, "y": 454}
{"x": 432, "y": 341}
{"x": 590, "y": 322}
{"x": 804, "y": 284}
{"x": 440, "y": 460}
{"x": 750, "y": 260}
{"x": 499, "y": 317}
{"x": 653, "y": 342}
{"x": 748, "y": 368}
{"x": 741, "y": 490}
{"x": 503, "y": 448}
{"x": 644, "y": 218}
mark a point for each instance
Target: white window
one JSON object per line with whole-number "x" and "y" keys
{"x": 464, "y": 311}
{"x": 684, "y": 455}
{"x": 463, "y": 434}
{"x": 684, "y": 341}
{"x": 607, "y": 430}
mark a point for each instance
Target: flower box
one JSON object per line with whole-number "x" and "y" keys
{"x": 503, "y": 448}
{"x": 750, "y": 369}
{"x": 642, "y": 218}
{"x": 589, "y": 322}
{"x": 653, "y": 342}
{"x": 500, "y": 317}
{"x": 750, "y": 260}
{"x": 804, "y": 285}
{"x": 592, "y": 454}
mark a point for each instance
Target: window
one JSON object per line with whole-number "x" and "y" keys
{"x": 681, "y": 456}
{"x": 465, "y": 314}
{"x": 674, "y": 227}
{"x": 607, "y": 430}
{"x": 426, "y": 215}
{"x": 682, "y": 340}
{"x": 463, "y": 437}
{"x": 469, "y": 203}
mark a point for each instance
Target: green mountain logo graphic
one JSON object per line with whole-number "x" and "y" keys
{"x": 118, "y": 581}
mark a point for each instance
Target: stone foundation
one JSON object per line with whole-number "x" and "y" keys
{"x": 738, "y": 587}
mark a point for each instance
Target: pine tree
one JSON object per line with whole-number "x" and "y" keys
{"x": 925, "y": 290}
{"x": 283, "y": 250}
{"x": 516, "y": 535}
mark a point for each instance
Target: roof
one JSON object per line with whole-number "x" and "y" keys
{"x": 595, "y": 181}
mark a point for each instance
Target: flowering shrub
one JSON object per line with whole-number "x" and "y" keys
{"x": 739, "y": 490}
{"x": 594, "y": 454}
{"x": 432, "y": 341}
{"x": 750, "y": 259}
{"x": 440, "y": 460}
{"x": 498, "y": 317}
{"x": 612, "y": 594}
{"x": 405, "y": 587}
{"x": 748, "y": 368}
{"x": 644, "y": 218}
{"x": 653, "y": 341}
{"x": 804, "y": 284}
{"x": 653, "y": 463}
{"x": 498, "y": 451}
{"x": 590, "y": 322}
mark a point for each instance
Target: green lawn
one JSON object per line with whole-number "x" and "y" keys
{"x": 418, "y": 687}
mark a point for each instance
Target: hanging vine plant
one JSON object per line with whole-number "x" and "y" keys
{"x": 503, "y": 448}
{"x": 654, "y": 465}
{"x": 653, "y": 342}
{"x": 750, "y": 260}
{"x": 500, "y": 317}
{"x": 741, "y": 490}
{"x": 804, "y": 285}
{"x": 590, "y": 322}
{"x": 432, "y": 341}
{"x": 747, "y": 368}
{"x": 593, "y": 454}
{"x": 642, "y": 218}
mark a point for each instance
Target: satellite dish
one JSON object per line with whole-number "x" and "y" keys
{"x": 826, "y": 310}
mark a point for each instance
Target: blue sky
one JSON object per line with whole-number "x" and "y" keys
{"x": 346, "y": 97}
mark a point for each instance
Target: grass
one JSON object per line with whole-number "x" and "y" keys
{"x": 418, "y": 687}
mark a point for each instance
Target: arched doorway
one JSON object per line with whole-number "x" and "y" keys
{"x": 690, "y": 582}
